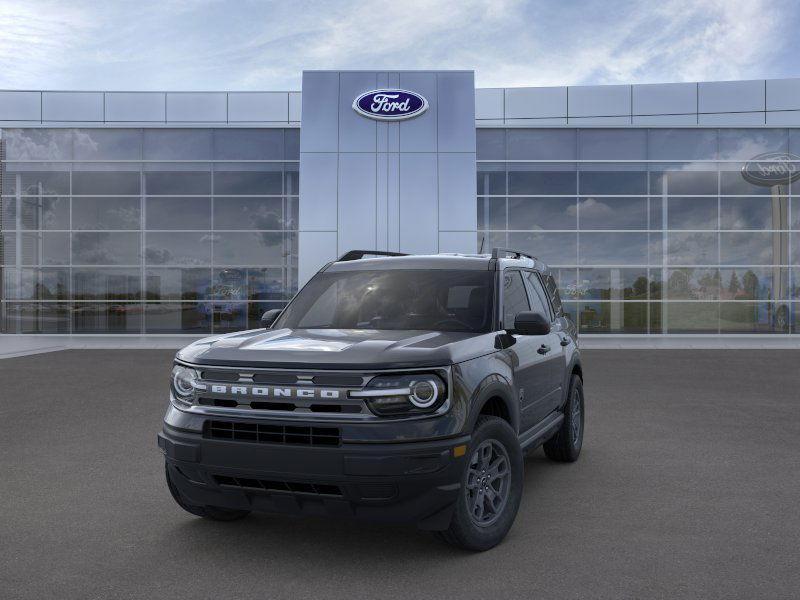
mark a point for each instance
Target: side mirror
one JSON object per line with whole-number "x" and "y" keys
{"x": 531, "y": 323}
{"x": 268, "y": 318}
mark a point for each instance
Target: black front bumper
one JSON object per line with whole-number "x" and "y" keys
{"x": 406, "y": 482}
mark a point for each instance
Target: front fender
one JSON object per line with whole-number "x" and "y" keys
{"x": 482, "y": 379}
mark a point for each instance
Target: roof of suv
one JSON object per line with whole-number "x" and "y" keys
{"x": 442, "y": 261}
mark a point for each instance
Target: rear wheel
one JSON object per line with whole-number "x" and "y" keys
{"x": 491, "y": 488}
{"x": 565, "y": 445}
{"x": 215, "y": 513}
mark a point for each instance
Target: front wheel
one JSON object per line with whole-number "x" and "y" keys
{"x": 491, "y": 488}
{"x": 565, "y": 445}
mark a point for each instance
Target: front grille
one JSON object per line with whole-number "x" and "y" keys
{"x": 273, "y": 434}
{"x": 318, "y": 489}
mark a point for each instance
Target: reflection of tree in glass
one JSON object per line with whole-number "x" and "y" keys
{"x": 639, "y": 291}
{"x": 734, "y": 286}
{"x": 750, "y": 285}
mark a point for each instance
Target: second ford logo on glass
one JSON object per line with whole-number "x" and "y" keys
{"x": 390, "y": 104}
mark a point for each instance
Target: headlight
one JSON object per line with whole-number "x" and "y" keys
{"x": 183, "y": 382}
{"x": 398, "y": 395}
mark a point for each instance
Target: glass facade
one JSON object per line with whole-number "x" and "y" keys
{"x": 649, "y": 230}
{"x": 146, "y": 230}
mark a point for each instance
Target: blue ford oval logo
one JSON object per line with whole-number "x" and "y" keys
{"x": 772, "y": 168}
{"x": 390, "y": 105}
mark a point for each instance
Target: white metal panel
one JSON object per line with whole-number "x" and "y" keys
{"x": 258, "y": 106}
{"x": 664, "y": 98}
{"x": 537, "y": 122}
{"x": 20, "y": 106}
{"x": 490, "y": 122}
{"x": 295, "y": 102}
{"x": 730, "y": 96}
{"x": 457, "y": 192}
{"x": 316, "y": 249}
{"x": 318, "y": 191}
{"x": 732, "y": 119}
{"x": 320, "y": 129}
{"x": 458, "y": 241}
{"x": 665, "y": 120}
{"x": 133, "y": 107}
{"x": 599, "y": 100}
{"x": 356, "y": 132}
{"x": 72, "y": 106}
{"x": 419, "y": 231}
{"x": 456, "y": 118}
{"x": 197, "y": 107}
{"x": 357, "y": 201}
{"x": 783, "y": 94}
{"x": 784, "y": 118}
{"x": 418, "y": 134}
{"x": 601, "y": 121}
{"x": 489, "y": 103}
{"x": 536, "y": 103}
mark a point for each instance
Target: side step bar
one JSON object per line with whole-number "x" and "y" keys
{"x": 539, "y": 433}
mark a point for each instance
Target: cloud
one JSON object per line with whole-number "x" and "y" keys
{"x": 212, "y": 44}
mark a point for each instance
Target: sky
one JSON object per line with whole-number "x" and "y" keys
{"x": 265, "y": 45}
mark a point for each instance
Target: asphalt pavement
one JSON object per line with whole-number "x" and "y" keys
{"x": 687, "y": 487}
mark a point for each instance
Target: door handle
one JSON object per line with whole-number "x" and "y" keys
{"x": 543, "y": 349}
{"x": 565, "y": 341}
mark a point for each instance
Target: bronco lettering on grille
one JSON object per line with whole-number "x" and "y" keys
{"x": 275, "y": 392}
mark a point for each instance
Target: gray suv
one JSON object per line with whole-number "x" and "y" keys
{"x": 394, "y": 388}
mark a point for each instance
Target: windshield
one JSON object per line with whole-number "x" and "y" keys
{"x": 435, "y": 300}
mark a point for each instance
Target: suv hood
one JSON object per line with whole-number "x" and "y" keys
{"x": 362, "y": 349}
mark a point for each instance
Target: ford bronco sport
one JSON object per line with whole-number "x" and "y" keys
{"x": 392, "y": 387}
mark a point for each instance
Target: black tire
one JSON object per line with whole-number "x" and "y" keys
{"x": 215, "y": 513}
{"x": 474, "y": 533}
{"x": 565, "y": 445}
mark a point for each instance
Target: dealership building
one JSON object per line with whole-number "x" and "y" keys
{"x": 663, "y": 209}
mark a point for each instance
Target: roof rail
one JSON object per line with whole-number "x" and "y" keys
{"x": 359, "y": 254}
{"x": 504, "y": 252}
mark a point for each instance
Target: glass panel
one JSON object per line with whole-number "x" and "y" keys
{"x": 492, "y": 213}
{"x": 566, "y": 281}
{"x": 526, "y": 180}
{"x": 106, "y": 284}
{"x": 177, "y": 284}
{"x": 175, "y": 317}
{"x": 795, "y": 221}
{"x": 693, "y": 284}
{"x": 656, "y": 213}
{"x": 571, "y": 311}
{"x": 656, "y": 309}
{"x": 682, "y": 144}
{"x": 754, "y": 283}
{"x": 541, "y": 144}
{"x": 117, "y": 183}
{"x": 8, "y": 214}
{"x": 613, "y": 182}
{"x": 676, "y": 181}
{"x": 491, "y": 179}
{"x": 36, "y": 183}
{"x": 794, "y": 286}
{"x": 490, "y": 144}
{"x": 612, "y": 144}
{"x": 749, "y": 317}
{"x": 174, "y": 212}
{"x": 750, "y": 248}
{"x": 38, "y": 144}
{"x": 248, "y": 144}
{"x": 291, "y": 179}
{"x": 656, "y": 284}
{"x": 107, "y": 318}
{"x": 754, "y": 213}
{"x": 541, "y": 213}
{"x": 291, "y": 144}
{"x": 613, "y": 284}
{"x": 44, "y": 212}
{"x": 105, "y": 213}
{"x": 795, "y": 256}
{"x": 229, "y": 316}
{"x": 613, "y": 248}
{"x": 249, "y": 182}
{"x": 267, "y": 284}
{"x": 178, "y": 144}
{"x": 37, "y": 284}
{"x": 613, "y": 317}
{"x": 732, "y": 182}
{"x": 34, "y": 317}
{"x": 552, "y": 248}
{"x": 291, "y": 213}
{"x": 107, "y": 144}
{"x": 746, "y": 144}
{"x": 692, "y": 213}
{"x": 8, "y": 248}
{"x": 612, "y": 213}
{"x": 45, "y": 248}
{"x": 691, "y": 317}
{"x": 178, "y": 248}
{"x": 253, "y": 248}
{"x": 178, "y": 183}
{"x": 515, "y": 298}
{"x": 229, "y": 284}
{"x": 692, "y": 248}
{"x": 104, "y": 248}
{"x": 248, "y": 213}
